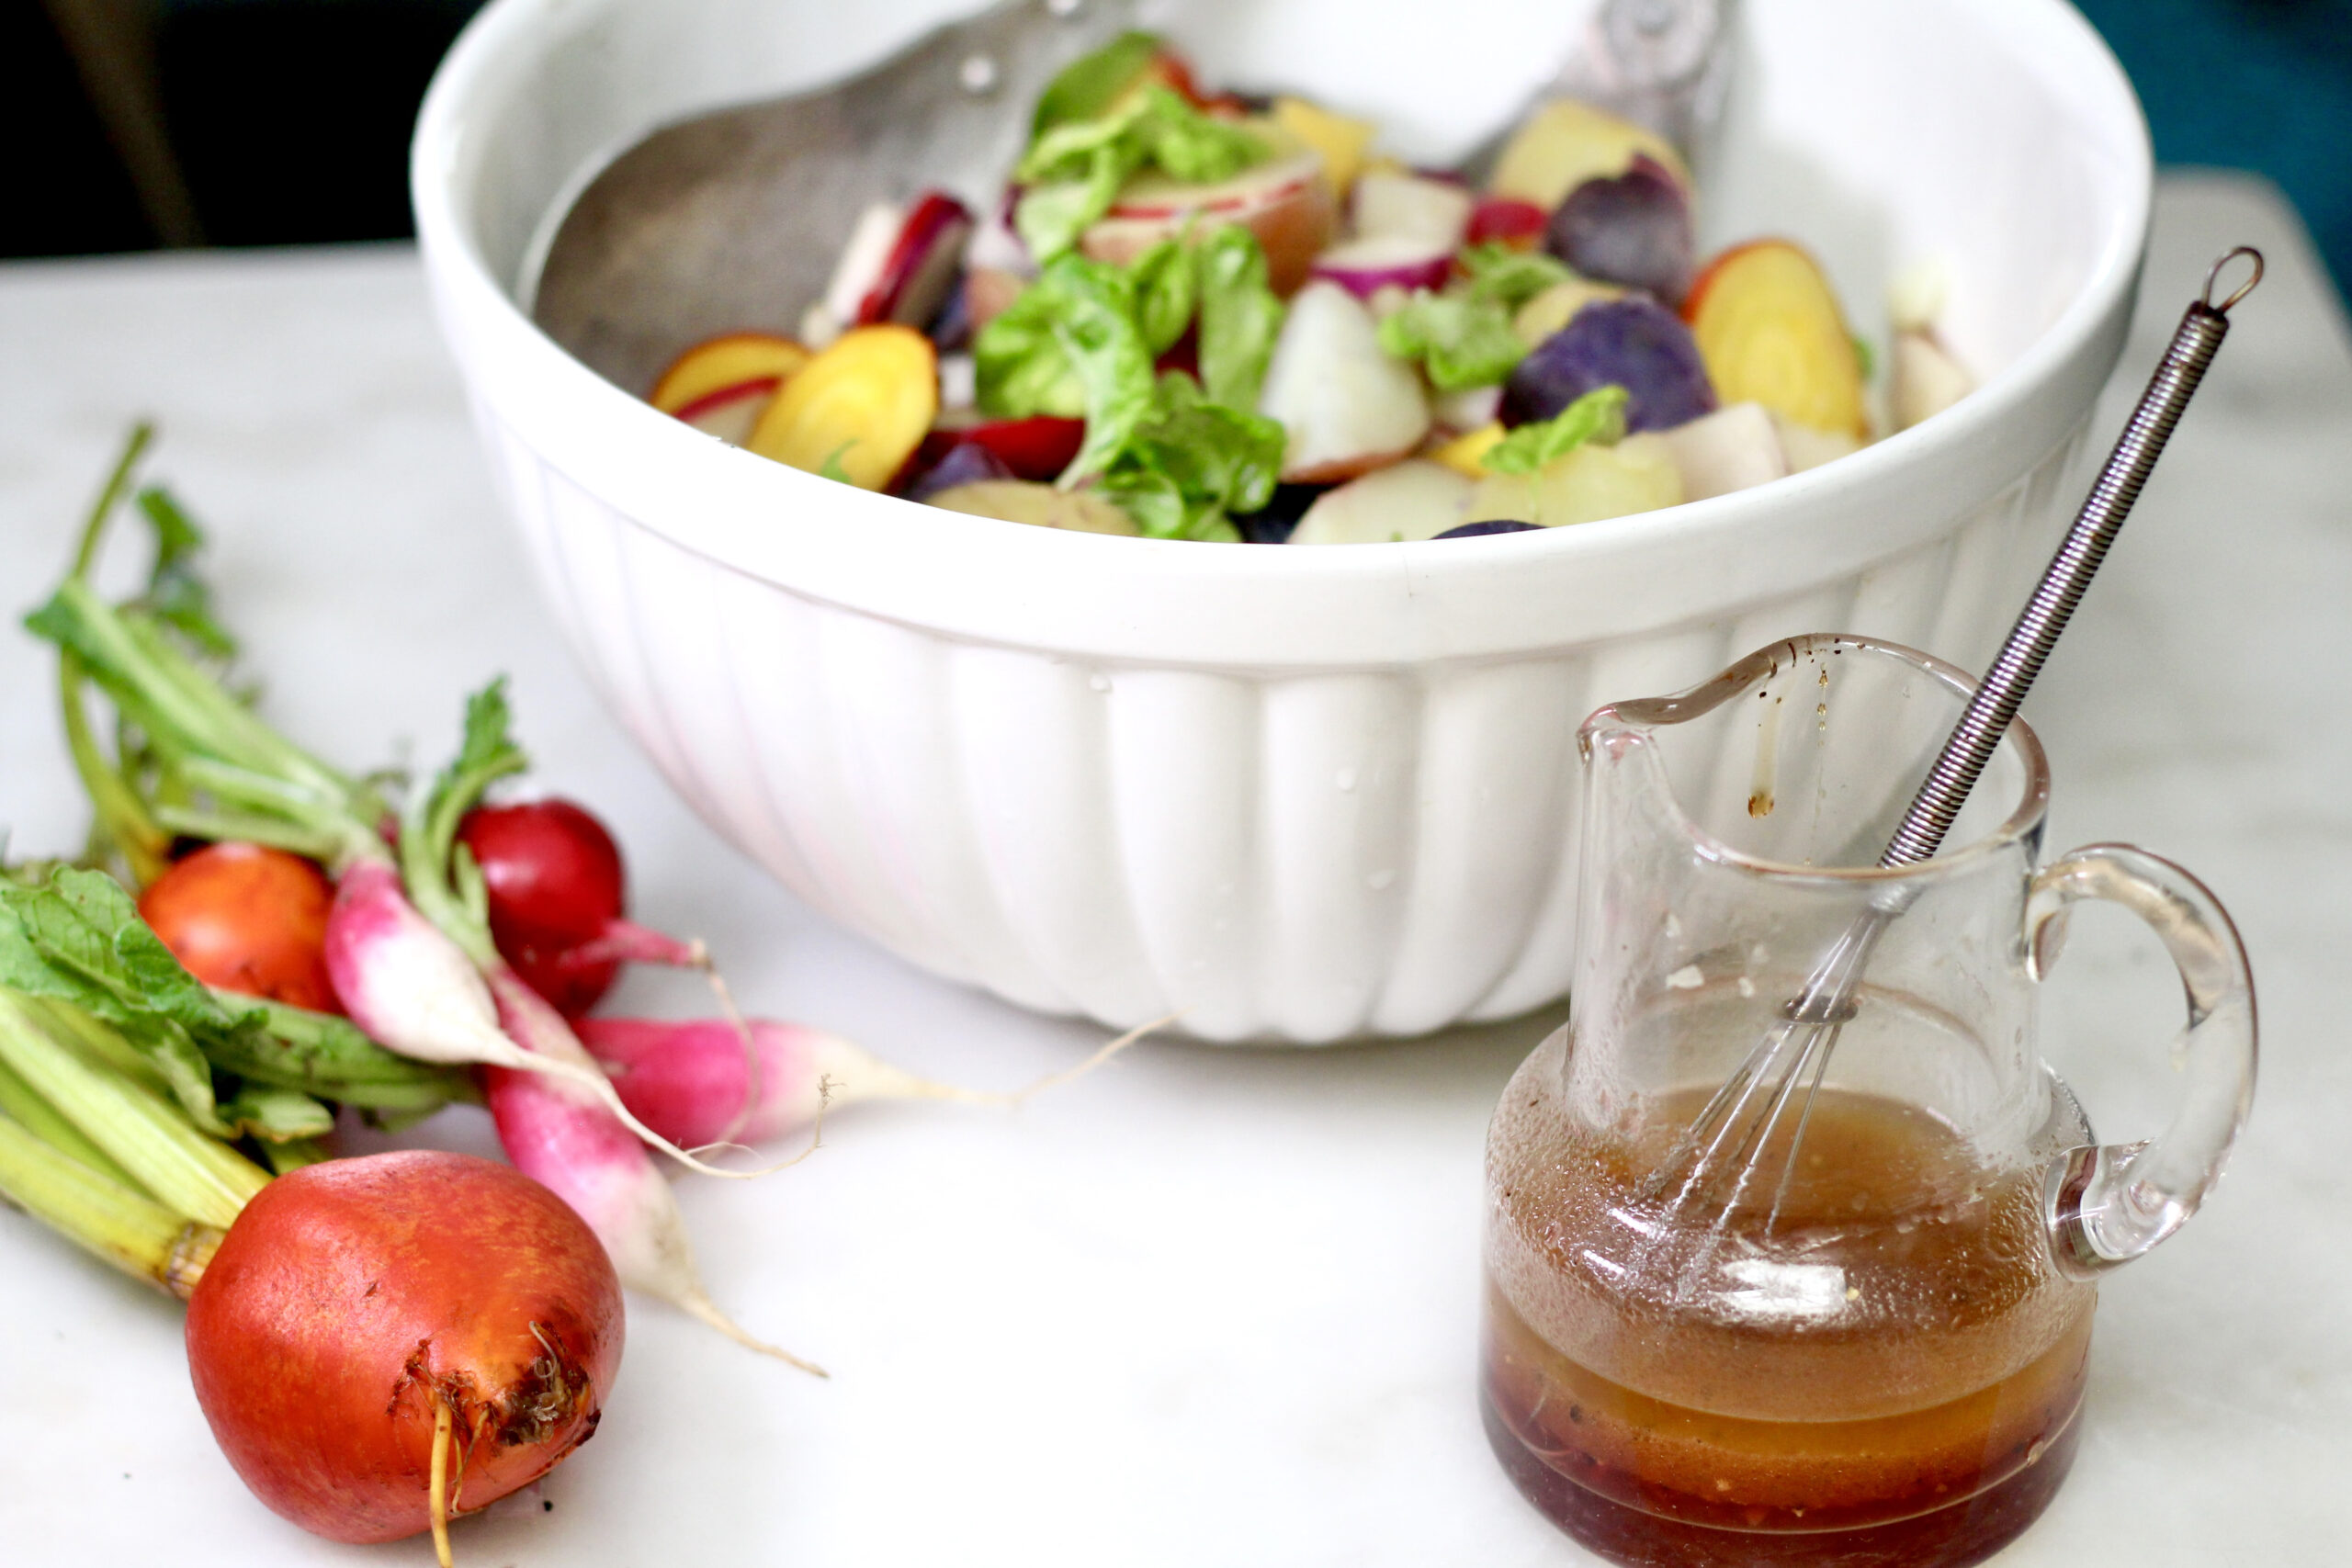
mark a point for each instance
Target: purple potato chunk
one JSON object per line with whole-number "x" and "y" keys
{"x": 1636, "y": 343}
{"x": 967, "y": 462}
{"x": 1633, "y": 229}
{"x": 1498, "y": 525}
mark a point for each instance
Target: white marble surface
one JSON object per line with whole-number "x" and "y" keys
{"x": 1211, "y": 1306}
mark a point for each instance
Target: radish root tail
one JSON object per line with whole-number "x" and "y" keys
{"x": 753, "y": 1085}
{"x": 697, "y": 1303}
{"x": 437, "y": 1492}
{"x": 816, "y": 1134}
{"x": 1102, "y": 1054}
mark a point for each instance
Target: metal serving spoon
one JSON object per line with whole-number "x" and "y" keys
{"x": 732, "y": 219}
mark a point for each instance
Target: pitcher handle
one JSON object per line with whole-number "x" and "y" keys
{"x": 2108, "y": 1203}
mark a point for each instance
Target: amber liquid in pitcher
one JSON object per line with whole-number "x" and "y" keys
{"x": 1893, "y": 1378}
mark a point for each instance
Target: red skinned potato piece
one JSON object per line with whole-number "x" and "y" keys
{"x": 1346, "y": 407}
{"x": 354, "y": 1299}
{"x": 1284, "y": 201}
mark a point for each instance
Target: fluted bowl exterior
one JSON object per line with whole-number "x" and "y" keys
{"x": 1287, "y": 794}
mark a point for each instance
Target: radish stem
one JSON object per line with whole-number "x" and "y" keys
{"x": 20, "y": 1100}
{"x": 195, "y": 1176}
{"x": 125, "y": 1229}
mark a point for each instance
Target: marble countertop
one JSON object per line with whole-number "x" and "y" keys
{"x": 1210, "y": 1306}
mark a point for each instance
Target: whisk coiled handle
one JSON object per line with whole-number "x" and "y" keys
{"x": 2004, "y": 688}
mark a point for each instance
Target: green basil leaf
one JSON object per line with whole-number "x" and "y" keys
{"x": 1461, "y": 341}
{"x": 1166, "y": 287}
{"x": 1240, "y": 318}
{"x": 1091, "y": 84}
{"x": 1506, "y": 277}
{"x": 1598, "y": 415}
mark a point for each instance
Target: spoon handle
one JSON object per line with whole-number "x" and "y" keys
{"x": 1998, "y": 697}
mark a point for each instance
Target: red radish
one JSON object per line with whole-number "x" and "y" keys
{"x": 1363, "y": 267}
{"x": 922, "y": 264}
{"x": 1501, "y": 220}
{"x": 557, "y": 893}
{"x": 382, "y": 1343}
{"x": 691, "y": 1078}
{"x": 247, "y": 919}
{"x": 564, "y": 1136}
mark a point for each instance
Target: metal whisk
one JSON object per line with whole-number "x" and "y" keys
{"x": 1786, "y": 1066}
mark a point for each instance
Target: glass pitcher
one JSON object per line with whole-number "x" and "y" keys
{"x": 1848, "y": 1319}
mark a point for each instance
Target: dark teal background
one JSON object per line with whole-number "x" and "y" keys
{"x": 2262, "y": 85}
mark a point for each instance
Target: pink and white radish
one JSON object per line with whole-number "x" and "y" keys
{"x": 1347, "y": 407}
{"x": 1365, "y": 266}
{"x": 898, "y": 267}
{"x": 691, "y": 1080}
{"x": 693, "y": 1076}
{"x": 1412, "y": 499}
{"x": 414, "y": 991}
{"x": 565, "y": 1136}
{"x": 921, "y": 266}
{"x": 1411, "y": 206}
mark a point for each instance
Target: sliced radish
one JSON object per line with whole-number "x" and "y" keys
{"x": 1729, "y": 449}
{"x": 1285, "y": 201}
{"x": 1363, "y": 267}
{"x": 1414, "y": 206}
{"x": 1412, "y": 499}
{"x": 1347, "y": 407}
{"x": 922, "y": 264}
{"x": 731, "y": 413}
{"x": 871, "y": 242}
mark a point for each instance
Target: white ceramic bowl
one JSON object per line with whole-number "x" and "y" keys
{"x": 1295, "y": 795}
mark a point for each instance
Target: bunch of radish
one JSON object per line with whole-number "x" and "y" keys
{"x": 299, "y": 944}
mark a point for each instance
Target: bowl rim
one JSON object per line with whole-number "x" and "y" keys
{"x": 1173, "y": 602}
